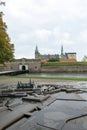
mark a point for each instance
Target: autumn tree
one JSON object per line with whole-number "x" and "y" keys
{"x": 6, "y": 48}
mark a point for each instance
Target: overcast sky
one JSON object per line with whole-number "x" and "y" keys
{"x": 47, "y": 24}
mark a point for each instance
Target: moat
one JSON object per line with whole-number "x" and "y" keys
{"x": 62, "y": 75}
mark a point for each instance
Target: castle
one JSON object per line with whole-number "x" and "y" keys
{"x": 63, "y": 57}
{"x": 34, "y": 65}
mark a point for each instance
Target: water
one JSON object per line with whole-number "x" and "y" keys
{"x": 64, "y": 75}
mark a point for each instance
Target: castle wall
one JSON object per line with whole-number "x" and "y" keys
{"x": 31, "y": 65}
{"x": 34, "y": 65}
{"x": 67, "y": 60}
{"x": 64, "y": 68}
{"x": 2, "y": 68}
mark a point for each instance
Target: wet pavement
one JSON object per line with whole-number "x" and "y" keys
{"x": 58, "y": 105}
{"x": 7, "y": 117}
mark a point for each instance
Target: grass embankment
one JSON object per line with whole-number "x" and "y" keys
{"x": 54, "y": 78}
{"x": 63, "y": 63}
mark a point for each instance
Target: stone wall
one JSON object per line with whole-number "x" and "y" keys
{"x": 34, "y": 65}
{"x": 31, "y": 65}
{"x": 2, "y": 68}
{"x": 64, "y": 68}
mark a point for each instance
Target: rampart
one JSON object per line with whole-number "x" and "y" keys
{"x": 34, "y": 65}
{"x": 64, "y": 68}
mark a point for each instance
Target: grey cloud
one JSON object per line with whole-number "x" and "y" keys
{"x": 47, "y": 23}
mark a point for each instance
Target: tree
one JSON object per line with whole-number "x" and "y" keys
{"x": 6, "y": 48}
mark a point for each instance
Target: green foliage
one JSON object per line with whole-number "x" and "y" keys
{"x": 53, "y": 78}
{"x": 6, "y": 48}
{"x": 53, "y": 60}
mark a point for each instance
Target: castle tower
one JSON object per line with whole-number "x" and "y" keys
{"x": 37, "y": 54}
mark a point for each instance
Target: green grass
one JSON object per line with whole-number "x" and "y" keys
{"x": 53, "y": 78}
{"x": 63, "y": 63}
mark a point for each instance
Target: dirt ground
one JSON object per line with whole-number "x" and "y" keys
{"x": 8, "y": 80}
{"x": 14, "y": 80}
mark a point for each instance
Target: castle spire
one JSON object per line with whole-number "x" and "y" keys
{"x": 36, "y": 50}
{"x": 62, "y": 50}
{"x": 37, "y": 54}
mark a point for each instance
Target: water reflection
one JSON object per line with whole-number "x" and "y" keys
{"x": 72, "y": 75}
